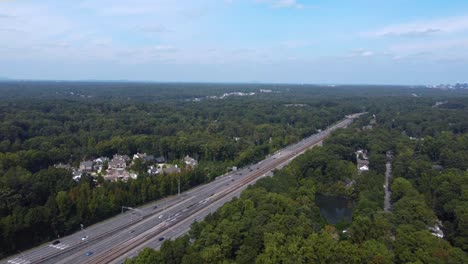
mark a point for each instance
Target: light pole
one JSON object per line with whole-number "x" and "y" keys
{"x": 85, "y": 237}
{"x": 178, "y": 187}
{"x": 132, "y": 211}
{"x": 24, "y": 257}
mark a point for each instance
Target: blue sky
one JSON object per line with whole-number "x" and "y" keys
{"x": 287, "y": 41}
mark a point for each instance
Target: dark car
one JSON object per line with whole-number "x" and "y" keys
{"x": 161, "y": 238}
{"x": 89, "y": 253}
{"x": 56, "y": 242}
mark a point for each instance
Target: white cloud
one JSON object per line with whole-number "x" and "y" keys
{"x": 423, "y": 28}
{"x": 361, "y": 53}
{"x": 432, "y": 46}
{"x": 282, "y": 3}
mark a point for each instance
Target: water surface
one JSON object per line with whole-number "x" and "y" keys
{"x": 334, "y": 208}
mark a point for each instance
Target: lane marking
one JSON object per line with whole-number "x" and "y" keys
{"x": 19, "y": 261}
{"x": 59, "y": 246}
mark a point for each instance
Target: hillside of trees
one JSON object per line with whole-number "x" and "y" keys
{"x": 277, "y": 220}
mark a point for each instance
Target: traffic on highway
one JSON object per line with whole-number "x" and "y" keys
{"x": 123, "y": 236}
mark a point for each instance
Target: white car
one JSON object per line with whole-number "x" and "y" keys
{"x": 84, "y": 238}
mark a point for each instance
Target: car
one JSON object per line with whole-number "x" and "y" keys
{"x": 56, "y": 242}
{"x": 131, "y": 231}
{"x": 89, "y": 253}
{"x": 155, "y": 207}
{"x": 84, "y": 238}
{"x": 161, "y": 239}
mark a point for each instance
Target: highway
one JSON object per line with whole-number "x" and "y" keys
{"x": 123, "y": 236}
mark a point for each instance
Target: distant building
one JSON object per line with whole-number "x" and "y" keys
{"x": 119, "y": 174}
{"x": 362, "y": 161}
{"x": 118, "y": 162}
{"x": 190, "y": 162}
{"x": 100, "y": 161}
{"x": 86, "y": 166}
{"x": 436, "y": 229}
{"x": 161, "y": 160}
{"x": 153, "y": 170}
{"x": 77, "y": 175}
{"x": 363, "y": 168}
{"x": 63, "y": 166}
{"x": 149, "y": 158}
{"x": 139, "y": 156}
{"x": 171, "y": 169}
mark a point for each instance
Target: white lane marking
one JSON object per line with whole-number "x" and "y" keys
{"x": 19, "y": 261}
{"x": 59, "y": 246}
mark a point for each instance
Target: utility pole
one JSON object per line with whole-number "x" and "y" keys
{"x": 85, "y": 233}
{"x": 178, "y": 187}
{"x": 132, "y": 210}
{"x": 24, "y": 257}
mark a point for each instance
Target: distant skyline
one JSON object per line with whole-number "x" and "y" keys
{"x": 269, "y": 41}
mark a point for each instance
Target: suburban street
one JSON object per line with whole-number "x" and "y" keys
{"x": 388, "y": 175}
{"x": 123, "y": 236}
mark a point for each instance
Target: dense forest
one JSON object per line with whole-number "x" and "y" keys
{"x": 40, "y": 202}
{"x": 278, "y": 221}
{"x": 45, "y": 123}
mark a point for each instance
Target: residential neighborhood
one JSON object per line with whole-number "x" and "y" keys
{"x": 119, "y": 167}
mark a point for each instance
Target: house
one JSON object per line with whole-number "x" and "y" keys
{"x": 119, "y": 174}
{"x": 170, "y": 169}
{"x": 77, "y": 175}
{"x": 436, "y": 229}
{"x": 161, "y": 160}
{"x": 363, "y": 168}
{"x": 361, "y": 163}
{"x": 190, "y": 162}
{"x": 149, "y": 158}
{"x": 362, "y": 160}
{"x": 139, "y": 156}
{"x": 361, "y": 154}
{"x": 100, "y": 161}
{"x": 118, "y": 162}
{"x": 153, "y": 170}
{"x": 86, "y": 166}
{"x": 63, "y": 166}
{"x": 124, "y": 157}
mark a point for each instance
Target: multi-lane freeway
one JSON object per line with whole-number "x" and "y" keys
{"x": 123, "y": 236}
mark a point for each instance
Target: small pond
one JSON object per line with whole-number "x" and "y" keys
{"x": 334, "y": 208}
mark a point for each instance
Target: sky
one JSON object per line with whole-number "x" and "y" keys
{"x": 272, "y": 41}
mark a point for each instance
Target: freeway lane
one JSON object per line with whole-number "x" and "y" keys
{"x": 126, "y": 234}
